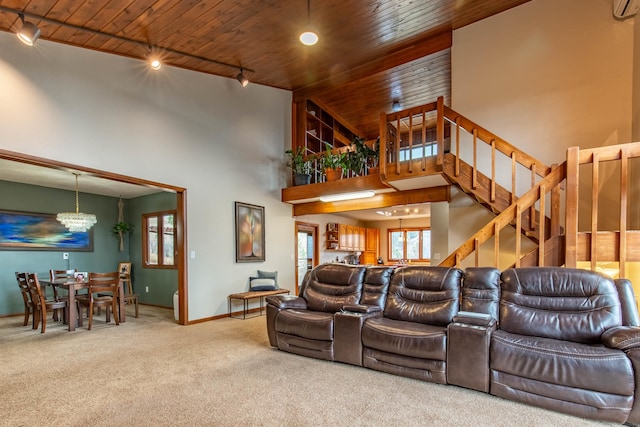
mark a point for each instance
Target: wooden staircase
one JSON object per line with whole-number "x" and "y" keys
{"x": 543, "y": 207}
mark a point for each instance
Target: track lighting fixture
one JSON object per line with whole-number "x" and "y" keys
{"x": 28, "y": 32}
{"x": 395, "y": 106}
{"x": 242, "y": 79}
{"x": 309, "y": 37}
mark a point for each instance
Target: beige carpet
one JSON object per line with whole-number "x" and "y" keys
{"x": 153, "y": 372}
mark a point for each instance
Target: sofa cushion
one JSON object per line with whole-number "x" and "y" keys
{"x": 376, "y": 285}
{"x": 331, "y": 286}
{"x": 424, "y": 294}
{"x": 559, "y": 303}
{"x": 405, "y": 338}
{"x": 574, "y": 365}
{"x": 307, "y": 324}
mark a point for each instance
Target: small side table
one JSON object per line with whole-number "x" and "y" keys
{"x": 246, "y": 296}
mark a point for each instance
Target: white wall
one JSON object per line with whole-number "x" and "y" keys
{"x": 547, "y": 75}
{"x": 222, "y": 142}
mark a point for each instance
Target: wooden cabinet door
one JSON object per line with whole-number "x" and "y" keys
{"x": 362, "y": 233}
{"x": 350, "y": 238}
{"x": 342, "y": 231}
{"x": 371, "y": 240}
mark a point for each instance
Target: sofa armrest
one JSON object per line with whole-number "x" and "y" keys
{"x": 361, "y": 308}
{"x": 475, "y": 319}
{"x": 287, "y": 301}
{"x": 622, "y": 338}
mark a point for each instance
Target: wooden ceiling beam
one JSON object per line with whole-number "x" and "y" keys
{"x": 431, "y": 43}
{"x": 383, "y": 200}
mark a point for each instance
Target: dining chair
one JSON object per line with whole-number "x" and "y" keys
{"x": 61, "y": 275}
{"x": 102, "y": 292}
{"x": 26, "y": 296}
{"x": 124, "y": 268}
{"x": 41, "y": 305}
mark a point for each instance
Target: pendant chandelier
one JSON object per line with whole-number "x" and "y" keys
{"x": 77, "y": 221}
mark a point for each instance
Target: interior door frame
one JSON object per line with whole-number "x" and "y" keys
{"x": 181, "y": 212}
{"x": 315, "y": 229}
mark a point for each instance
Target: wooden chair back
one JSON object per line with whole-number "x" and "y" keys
{"x": 21, "y": 278}
{"x": 41, "y": 304}
{"x": 103, "y": 292}
{"x": 61, "y": 274}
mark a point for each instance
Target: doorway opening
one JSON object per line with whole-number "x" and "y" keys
{"x": 307, "y": 250}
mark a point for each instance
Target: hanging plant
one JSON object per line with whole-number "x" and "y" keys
{"x": 119, "y": 229}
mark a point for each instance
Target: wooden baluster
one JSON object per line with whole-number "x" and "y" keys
{"x": 424, "y": 140}
{"x": 410, "y": 143}
{"x": 532, "y": 216}
{"x": 595, "y": 182}
{"x": 555, "y": 208}
{"x": 513, "y": 177}
{"x": 457, "y": 259}
{"x": 384, "y": 130}
{"x": 542, "y": 222}
{"x": 493, "y": 171}
{"x": 440, "y": 130}
{"x": 624, "y": 194}
{"x": 398, "y": 141}
{"x": 518, "y": 234}
{"x": 496, "y": 245}
{"x": 476, "y": 247}
{"x": 474, "y": 179}
{"x": 458, "y": 146}
{"x": 571, "y": 223}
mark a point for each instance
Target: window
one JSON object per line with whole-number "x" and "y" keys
{"x": 410, "y": 244}
{"x": 430, "y": 149}
{"x": 159, "y": 239}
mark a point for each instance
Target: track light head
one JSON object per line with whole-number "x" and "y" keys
{"x": 28, "y": 33}
{"x": 242, "y": 79}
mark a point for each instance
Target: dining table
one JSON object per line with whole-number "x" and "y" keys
{"x": 72, "y": 285}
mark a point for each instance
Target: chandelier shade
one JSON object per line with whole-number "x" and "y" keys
{"x": 77, "y": 221}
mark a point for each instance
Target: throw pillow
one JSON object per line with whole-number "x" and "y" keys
{"x": 259, "y": 284}
{"x": 268, "y": 275}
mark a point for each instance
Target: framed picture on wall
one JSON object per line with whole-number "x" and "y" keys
{"x": 250, "y": 243}
{"x": 39, "y": 231}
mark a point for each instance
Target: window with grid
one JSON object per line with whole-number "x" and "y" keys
{"x": 159, "y": 239}
{"x": 410, "y": 244}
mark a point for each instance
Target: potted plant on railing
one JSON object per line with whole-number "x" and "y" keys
{"x": 300, "y": 166}
{"x": 333, "y": 162}
{"x": 357, "y": 156}
{"x": 373, "y": 157}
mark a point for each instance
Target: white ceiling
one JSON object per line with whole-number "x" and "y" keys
{"x": 64, "y": 179}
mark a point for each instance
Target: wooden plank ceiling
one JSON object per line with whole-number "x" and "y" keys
{"x": 370, "y": 53}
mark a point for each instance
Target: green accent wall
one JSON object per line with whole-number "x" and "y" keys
{"x": 162, "y": 283}
{"x": 106, "y": 252}
{"x": 30, "y": 198}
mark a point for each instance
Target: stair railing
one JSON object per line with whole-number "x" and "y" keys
{"x": 610, "y": 239}
{"x": 512, "y": 216}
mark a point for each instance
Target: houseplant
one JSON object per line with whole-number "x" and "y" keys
{"x": 119, "y": 229}
{"x": 300, "y": 166}
{"x": 333, "y": 163}
{"x": 373, "y": 157}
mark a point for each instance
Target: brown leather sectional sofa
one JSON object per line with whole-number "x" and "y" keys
{"x": 562, "y": 339}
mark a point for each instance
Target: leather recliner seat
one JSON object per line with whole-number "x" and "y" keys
{"x": 305, "y": 324}
{"x": 410, "y": 338}
{"x": 551, "y": 348}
